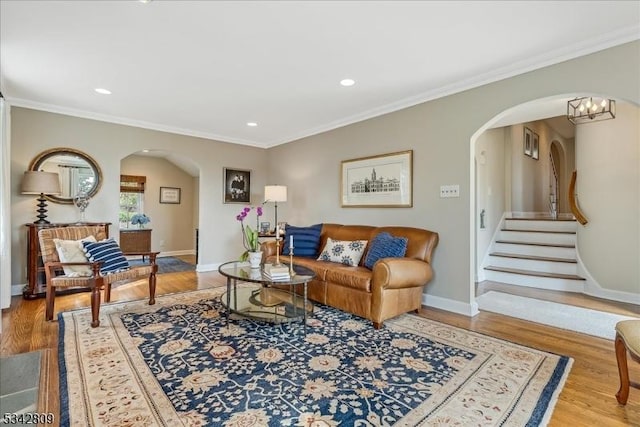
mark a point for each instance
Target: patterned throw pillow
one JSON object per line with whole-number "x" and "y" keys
{"x": 384, "y": 245}
{"x": 109, "y": 253}
{"x": 73, "y": 251}
{"x": 305, "y": 240}
{"x": 343, "y": 251}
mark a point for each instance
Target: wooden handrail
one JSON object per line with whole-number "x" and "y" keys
{"x": 573, "y": 204}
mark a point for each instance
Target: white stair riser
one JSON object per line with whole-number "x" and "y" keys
{"x": 534, "y": 265}
{"x": 547, "y": 251}
{"x": 536, "y": 282}
{"x": 518, "y": 224}
{"x": 551, "y": 238}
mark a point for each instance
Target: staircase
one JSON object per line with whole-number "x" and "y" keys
{"x": 536, "y": 252}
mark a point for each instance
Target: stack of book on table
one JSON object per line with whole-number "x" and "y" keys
{"x": 278, "y": 273}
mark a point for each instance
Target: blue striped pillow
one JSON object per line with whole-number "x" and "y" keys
{"x": 305, "y": 240}
{"x": 109, "y": 253}
{"x": 384, "y": 245}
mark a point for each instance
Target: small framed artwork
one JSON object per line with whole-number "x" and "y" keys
{"x": 265, "y": 227}
{"x": 237, "y": 186}
{"x": 535, "y": 146}
{"x": 528, "y": 141}
{"x": 170, "y": 195}
{"x": 383, "y": 181}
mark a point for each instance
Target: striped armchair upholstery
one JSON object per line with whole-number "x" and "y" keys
{"x": 96, "y": 282}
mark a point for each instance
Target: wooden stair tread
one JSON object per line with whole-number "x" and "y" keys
{"x": 539, "y": 231}
{"x": 534, "y": 273}
{"x": 533, "y": 257}
{"x": 554, "y": 245}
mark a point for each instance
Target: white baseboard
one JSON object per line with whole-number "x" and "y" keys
{"x": 453, "y": 306}
{"x": 201, "y": 268}
{"x": 176, "y": 253}
{"x": 594, "y": 289}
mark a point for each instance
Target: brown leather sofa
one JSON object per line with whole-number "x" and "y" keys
{"x": 393, "y": 287}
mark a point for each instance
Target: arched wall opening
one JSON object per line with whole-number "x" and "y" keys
{"x": 565, "y": 152}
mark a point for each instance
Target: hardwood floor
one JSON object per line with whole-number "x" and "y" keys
{"x": 587, "y": 399}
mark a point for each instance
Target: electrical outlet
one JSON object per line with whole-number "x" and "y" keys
{"x": 447, "y": 191}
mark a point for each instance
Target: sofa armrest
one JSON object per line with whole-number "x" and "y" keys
{"x": 399, "y": 273}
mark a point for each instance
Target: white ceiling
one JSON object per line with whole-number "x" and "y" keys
{"x": 207, "y": 68}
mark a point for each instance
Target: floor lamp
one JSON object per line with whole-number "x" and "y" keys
{"x": 38, "y": 182}
{"x": 275, "y": 193}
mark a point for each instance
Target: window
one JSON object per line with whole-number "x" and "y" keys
{"x": 131, "y": 198}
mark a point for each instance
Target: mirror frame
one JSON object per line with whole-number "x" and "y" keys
{"x": 41, "y": 158}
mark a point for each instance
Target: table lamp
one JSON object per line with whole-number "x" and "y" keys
{"x": 275, "y": 193}
{"x": 39, "y": 182}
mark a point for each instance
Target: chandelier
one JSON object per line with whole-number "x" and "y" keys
{"x": 590, "y": 109}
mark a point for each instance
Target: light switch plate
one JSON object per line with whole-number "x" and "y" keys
{"x": 447, "y": 191}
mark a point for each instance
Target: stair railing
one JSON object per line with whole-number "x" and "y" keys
{"x": 573, "y": 203}
{"x": 553, "y": 194}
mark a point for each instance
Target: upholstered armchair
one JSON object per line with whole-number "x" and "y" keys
{"x": 65, "y": 275}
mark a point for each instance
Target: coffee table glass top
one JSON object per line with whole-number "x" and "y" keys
{"x": 242, "y": 271}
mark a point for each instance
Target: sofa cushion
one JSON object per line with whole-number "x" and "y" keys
{"x": 305, "y": 240}
{"x": 348, "y": 252}
{"x": 109, "y": 253}
{"x": 350, "y": 277}
{"x": 73, "y": 251}
{"x": 384, "y": 245}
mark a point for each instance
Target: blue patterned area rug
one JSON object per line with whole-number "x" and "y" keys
{"x": 177, "y": 363}
{"x": 167, "y": 264}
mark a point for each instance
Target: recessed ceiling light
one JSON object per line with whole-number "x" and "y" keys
{"x": 347, "y": 82}
{"x": 145, "y": 1}
{"x": 103, "y": 91}
{"x": 145, "y": 151}
{"x": 252, "y": 124}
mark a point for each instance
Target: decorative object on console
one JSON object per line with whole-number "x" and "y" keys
{"x": 237, "y": 186}
{"x": 41, "y": 183}
{"x": 378, "y": 181}
{"x": 348, "y": 252}
{"x": 307, "y": 240}
{"x": 170, "y": 195}
{"x": 140, "y": 220}
{"x": 250, "y": 236}
{"x": 81, "y": 200}
{"x": 384, "y": 245}
{"x": 590, "y": 109}
{"x": 275, "y": 193}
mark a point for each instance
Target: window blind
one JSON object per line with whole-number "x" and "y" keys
{"x": 132, "y": 183}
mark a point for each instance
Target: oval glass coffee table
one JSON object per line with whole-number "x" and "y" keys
{"x": 274, "y": 301}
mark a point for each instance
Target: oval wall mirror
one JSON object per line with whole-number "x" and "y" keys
{"x": 77, "y": 171}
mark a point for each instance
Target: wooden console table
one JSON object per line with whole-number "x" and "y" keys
{"x": 36, "y": 283}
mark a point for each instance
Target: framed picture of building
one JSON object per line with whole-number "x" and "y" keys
{"x": 384, "y": 180}
{"x": 237, "y": 186}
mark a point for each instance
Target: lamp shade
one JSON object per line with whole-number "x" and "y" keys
{"x": 275, "y": 193}
{"x": 38, "y": 182}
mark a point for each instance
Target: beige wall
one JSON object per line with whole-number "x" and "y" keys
{"x": 490, "y": 187}
{"x": 173, "y": 227}
{"x": 439, "y": 132}
{"x": 608, "y": 188}
{"x": 35, "y": 131}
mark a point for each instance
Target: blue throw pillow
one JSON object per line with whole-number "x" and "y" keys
{"x": 384, "y": 245}
{"x": 305, "y": 240}
{"x": 109, "y": 253}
